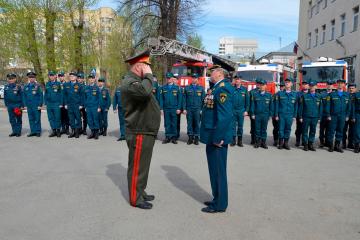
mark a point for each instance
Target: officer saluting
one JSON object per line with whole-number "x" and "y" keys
{"x": 142, "y": 120}
{"x": 54, "y": 102}
{"x": 192, "y": 102}
{"x": 13, "y": 99}
{"x": 33, "y": 99}
{"x": 216, "y": 133}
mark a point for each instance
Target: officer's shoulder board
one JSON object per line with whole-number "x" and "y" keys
{"x": 222, "y": 84}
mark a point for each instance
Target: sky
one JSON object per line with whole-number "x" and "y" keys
{"x": 264, "y": 20}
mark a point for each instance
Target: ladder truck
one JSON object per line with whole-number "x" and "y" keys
{"x": 191, "y": 60}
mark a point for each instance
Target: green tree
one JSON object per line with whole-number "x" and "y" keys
{"x": 196, "y": 41}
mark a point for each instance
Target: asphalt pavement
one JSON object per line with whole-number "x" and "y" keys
{"x": 76, "y": 189}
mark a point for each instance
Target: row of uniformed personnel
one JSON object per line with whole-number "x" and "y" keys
{"x": 69, "y": 103}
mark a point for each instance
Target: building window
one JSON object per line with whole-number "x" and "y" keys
{"x": 323, "y": 34}
{"x": 309, "y": 40}
{"x": 313, "y": 10}
{"x": 332, "y": 33}
{"x": 316, "y": 37}
{"x": 309, "y": 9}
{"x": 325, "y": 4}
{"x": 343, "y": 25}
{"x": 318, "y": 6}
{"x": 356, "y": 18}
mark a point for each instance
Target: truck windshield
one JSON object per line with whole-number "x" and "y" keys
{"x": 251, "y": 76}
{"x": 323, "y": 74}
{"x": 187, "y": 71}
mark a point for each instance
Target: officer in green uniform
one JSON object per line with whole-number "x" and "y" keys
{"x": 310, "y": 110}
{"x": 241, "y": 104}
{"x": 355, "y": 117}
{"x": 81, "y": 81}
{"x": 193, "y": 98}
{"x": 338, "y": 107}
{"x": 65, "y": 124}
{"x": 33, "y": 100}
{"x": 13, "y": 100}
{"x": 92, "y": 107}
{"x": 261, "y": 110}
{"x": 324, "y": 122}
{"x": 118, "y": 108}
{"x": 142, "y": 121}
{"x": 348, "y": 135}
{"x": 54, "y": 102}
{"x": 170, "y": 103}
{"x": 216, "y": 133}
{"x": 105, "y": 103}
{"x": 285, "y": 112}
{"x": 275, "y": 121}
{"x": 299, "y": 124}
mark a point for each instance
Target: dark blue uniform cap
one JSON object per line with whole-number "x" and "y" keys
{"x": 305, "y": 82}
{"x": 51, "y": 73}
{"x": 312, "y": 83}
{"x": 101, "y": 79}
{"x": 289, "y": 80}
{"x": 72, "y": 73}
{"x": 352, "y": 85}
{"x": 91, "y": 76}
{"x": 61, "y": 73}
{"x": 81, "y": 75}
{"x": 341, "y": 81}
{"x": 260, "y": 81}
{"x": 31, "y": 74}
{"x": 169, "y": 75}
{"x": 11, "y": 76}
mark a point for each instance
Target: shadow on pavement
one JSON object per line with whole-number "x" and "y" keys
{"x": 118, "y": 175}
{"x": 186, "y": 184}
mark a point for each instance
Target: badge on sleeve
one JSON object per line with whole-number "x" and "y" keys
{"x": 223, "y": 97}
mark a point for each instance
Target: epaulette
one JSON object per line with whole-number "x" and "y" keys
{"x": 222, "y": 84}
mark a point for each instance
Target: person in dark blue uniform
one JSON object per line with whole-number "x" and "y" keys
{"x": 81, "y": 81}
{"x": 355, "y": 117}
{"x": 92, "y": 107}
{"x": 54, "y": 102}
{"x": 170, "y": 103}
{"x": 118, "y": 108}
{"x": 275, "y": 122}
{"x": 13, "y": 100}
{"x": 193, "y": 98}
{"x": 65, "y": 123}
{"x": 310, "y": 110}
{"x": 299, "y": 124}
{"x": 348, "y": 135}
{"x": 252, "y": 121}
{"x": 156, "y": 89}
{"x": 73, "y": 99}
{"x": 216, "y": 133}
{"x": 105, "y": 103}
{"x": 178, "y": 122}
{"x": 261, "y": 110}
{"x": 324, "y": 122}
{"x": 338, "y": 107}
{"x": 241, "y": 104}
{"x": 285, "y": 112}
{"x": 33, "y": 100}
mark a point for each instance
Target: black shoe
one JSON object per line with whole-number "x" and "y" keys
{"x": 149, "y": 198}
{"x": 322, "y": 144}
{"x": 281, "y": 144}
{"x": 239, "y": 142}
{"x": 77, "y": 132}
{"x": 351, "y": 146}
{"x": 121, "y": 138}
{"x": 190, "y": 140}
{"x": 144, "y": 205}
{"x": 263, "y": 144}
{"x": 210, "y": 210}
{"x": 58, "y": 133}
{"x": 208, "y": 203}
{"x": 174, "y": 141}
{"x": 297, "y": 144}
{"x": 166, "y": 140}
{"x": 101, "y": 131}
{"x": 196, "y": 141}
{"x": 306, "y": 147}
{"x": 91, "y": 134}
{"x": 83, "y": 131}
{"x": 257, "y": 143}
{"x": 12, "y": 135}
{"x": 311, "y": 147}
{"x": 31, "y": 134}
{"x": 276, "y": 142}
{"x": 233, "y": 143}
{"x": 104, "y": 132}
{"x": 67, "y": 131}
{"x": 96, "y": 134}
{"x": 53, "y": 134}
{"x": 331, "y": 147}
{"x": 252, "y": 141}
{"x": 356, "y": 148}
{"x": 344, "y": 146}
{"x": 338, "y": 148}
{"x": 286, "y": 145}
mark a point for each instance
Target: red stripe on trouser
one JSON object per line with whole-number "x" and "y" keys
{"x": 137, "y": 155}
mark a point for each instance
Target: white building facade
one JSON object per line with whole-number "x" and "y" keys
{"x": 330, "y": 28}
{"x": 237, "y": 46}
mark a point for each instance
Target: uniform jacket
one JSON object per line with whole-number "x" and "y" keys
{"x": 193, "y": 97}
{"x": 286, "y": 104}
{"x": 105, "y": 98}
{"x": 117, "y": 99}
{"x": 92, "y": 96}
{"x": 33, "y": 96}
{"x": 338, "y": 105}
{"x": 170, "y": 97}
{"x": 13, "y": 95}
{"x": 217, "y": 115}
{"x": 310, "y": 106}
{"x": 73, "y": 94}
{"x": 53, "y": 94}
{"x": 241, "y": 99}
{"x": 141, "y": 110}
{"x": 261, "y": 104}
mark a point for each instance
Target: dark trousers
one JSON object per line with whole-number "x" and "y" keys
{"x": 309, "y": 130}
{"x": 252, "y": 129}
{"x": 217, "y": 161}
{"x": 170, "y": 122}
{"x": 193, "y": 122}
{"x": 238, "y": 123}
{"x": 275, "y": 129}
{"x": 74, "y": 117}
{"x": 140, "y": 153}
{"x": 103, "y": 118}
{"x": 15, "y": 121}
{"x": 261, "y": 124}
{"x": 324, "y": 129}
{"x": 336, "y": 128}
{"x": 298, "y": 130}
{"x": 285, "y": 124}
{"x": 83, "y": 118}
{"x": 357, "y": 129}
{"x": 65, "y": 122}
{"x": 121, "y": 122}
{"x": 92, "y": 116}
{"x": 348, "y": 133}
{"x": 178, "y": 126}
{"x": 34, "y": 119}
{"x": 54, "y": 116}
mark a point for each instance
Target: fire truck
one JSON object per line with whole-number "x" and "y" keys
{"x": 190, "y": 60}
{"x": 271, "y": 72}
{"x": 322, "y": 70}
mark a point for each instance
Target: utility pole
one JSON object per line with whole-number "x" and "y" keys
{"x": 280, "y": 41}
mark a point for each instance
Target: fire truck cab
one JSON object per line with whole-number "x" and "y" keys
{"x": 184, "y": 71}
{"x": 323, "y": 70}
